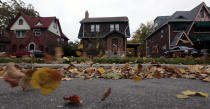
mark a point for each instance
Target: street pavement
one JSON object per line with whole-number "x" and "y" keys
{"x": 126, "y": 94}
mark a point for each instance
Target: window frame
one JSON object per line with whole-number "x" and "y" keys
{"x": 92, "y": 28}
{"x": 117, "y": 27}
{"x": 112, "y": 27}
{"x": 97, "y": 28}
{"x": 20, "y": 33}
{"x": 37, "y": 32}
{"x": 20, "y": 22}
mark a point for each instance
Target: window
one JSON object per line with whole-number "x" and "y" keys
{"x": 92, "y": 28}
{"x": 161, "y": 36}
{"x": 62, "y": 40}
{"x": 58, "y": 39}
{"x": 37, "y": 32}
{"x": 202, "y": 13}
{"x": 2, "y": 47}
{"x": 112, "y": 27}
{"x": 162, "y": 31}
{"x": 164, "y": 47}
{"x": 20, "y": 33}
{"x": 97, "y": 28}
{"x": 21, "y": 22}
{"x": 32, "y": 47}
{"x": 117, "y": 27}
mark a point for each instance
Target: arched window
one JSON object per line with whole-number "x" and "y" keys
{"x": 21, "y": 47}
{"x": 21, "y": 22}
{"x": 32, "y": 47}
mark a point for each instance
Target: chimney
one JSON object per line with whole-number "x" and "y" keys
{"x": 86, "y": 15}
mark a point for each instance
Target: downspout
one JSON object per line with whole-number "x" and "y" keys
{"x": 126, "y": 40}
{"x": 169, "y": 36}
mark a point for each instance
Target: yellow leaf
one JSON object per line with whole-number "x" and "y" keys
{"x": 80, "y": 46}
{"x": 202, "y": 94}
{"x": 79, "y": 53}
{"x": 101, "y": 70}
{"x": 137, "y": 79}
{"x": 180, "y": 96}
{"x": 188, "y": 92}
{"x": 46, "y": 79}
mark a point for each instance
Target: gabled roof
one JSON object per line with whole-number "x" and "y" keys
{"x": 179, "y": 16}
{"x": 33, "y": 21}
{"x": 178, "y": 37}
{"x": 105, "y": 19}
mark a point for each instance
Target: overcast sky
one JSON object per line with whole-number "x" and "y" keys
{"x": 70, "y": 12}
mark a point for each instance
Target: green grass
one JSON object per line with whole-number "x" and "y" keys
{"x": 184, "y": 61}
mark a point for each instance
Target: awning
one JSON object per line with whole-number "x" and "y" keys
{"x": 200, "y": 38}
{"x": 202, "y": 24}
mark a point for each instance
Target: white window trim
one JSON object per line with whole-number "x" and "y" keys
{"x": 31, "y": 44}
{"x": 22, "y": 35}
{"x": 112, "y": 27}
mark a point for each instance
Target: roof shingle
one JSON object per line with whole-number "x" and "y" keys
{"x": 105, "y": 19}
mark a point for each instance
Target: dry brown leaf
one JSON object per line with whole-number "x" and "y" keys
{"x": 12, "y": 72}
{"x": 74, "y": 99}
{"x": 137, "y": 79}
{"x": 106, "y": 94}
{"x": 25, "y": 81}
{"x": 207, "y": 79}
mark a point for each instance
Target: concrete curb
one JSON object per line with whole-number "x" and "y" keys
{"x": 94, "y": 65}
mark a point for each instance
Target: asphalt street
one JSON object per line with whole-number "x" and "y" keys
{"x": 126, "y": 94}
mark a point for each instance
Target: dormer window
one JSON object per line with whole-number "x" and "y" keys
{"x": 21, "y": 22}
{"x": 37, "y": 32}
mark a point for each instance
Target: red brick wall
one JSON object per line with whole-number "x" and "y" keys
{"x": 46, "y": 40}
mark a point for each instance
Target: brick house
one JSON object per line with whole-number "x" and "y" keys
{"x": 183, "y": 28}
{"x": 109, "y": 34}
{"x": 32, "y": 33}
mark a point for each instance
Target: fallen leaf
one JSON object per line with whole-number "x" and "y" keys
{"x": 46, "y": 79}
{"x": 13, "y": 82}
{"x": 1, "y": 68}
{"x": 48, "y": 58}
{"x": 79, "y": 53}
{"x": 106, "y": 94}
{"x": 74, "y": 99}
{"x": 101, "y": 70}
{"x": 13, "y": 75}
{"x": 207, "y": 79}
{"x": 137, "y": 79}
{"x": 25, "y": 81}
{"x": 188, "y": 92}
{"x": 180, "y": 96}
{"x": 202, "y": 94}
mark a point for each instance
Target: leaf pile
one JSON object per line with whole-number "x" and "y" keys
{"x": 138, "y": 72}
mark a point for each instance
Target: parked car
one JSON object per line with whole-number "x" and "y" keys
{"x": 181, "y": 51}
{"x": 19, "y": 54}
{"x": 37, "y": 53}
